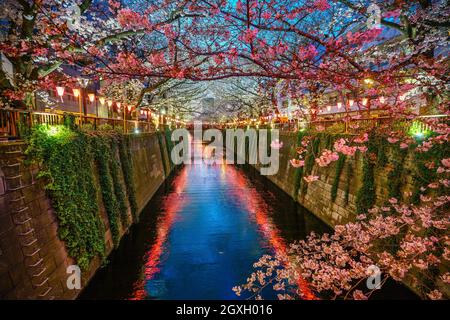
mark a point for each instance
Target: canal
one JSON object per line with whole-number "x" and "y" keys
{"x": 200, "y": 235}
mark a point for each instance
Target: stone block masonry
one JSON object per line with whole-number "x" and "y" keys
{"x": 33, "y": 260}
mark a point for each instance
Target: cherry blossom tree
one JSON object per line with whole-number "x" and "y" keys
{"x": 389, "y": 56}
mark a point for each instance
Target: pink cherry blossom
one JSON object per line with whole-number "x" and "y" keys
{"x": 359, "y": 295}
{"x": 446, "y": 162}
{"x": 327, "y": 157}
{"x": 276, "y": 144}
{"x": 435, "y": 295}
{"x": 321, "y": 5}
{"x": 297, "y": 163}
{"x": 392, "y": 140}
{"x": 311, "y": 178}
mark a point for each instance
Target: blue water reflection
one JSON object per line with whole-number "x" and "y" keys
{"x": 200, "y": 236}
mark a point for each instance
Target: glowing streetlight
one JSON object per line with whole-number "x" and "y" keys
{"x": 91, "y": 97}
{"x": 76, "y": 92}
{"x": 328, "y": 108}
{"x": 60, "y": 91}
{"x": 339, "y": 105}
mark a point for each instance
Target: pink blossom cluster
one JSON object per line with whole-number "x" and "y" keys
{"x": 297, "y": 163}
{"x": 249, "y": 35}
{"x": 130, "y": 19}
{"x": 327, "y": 157}
{"x": 342, "y": 147}
{"x": 336, "y": 263}
{"x": 276, "y": 144}
{"x": 321, "y": 5}
{"x": 311, "y": 178}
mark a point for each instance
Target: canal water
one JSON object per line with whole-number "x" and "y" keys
{"x": 200, "y": 235}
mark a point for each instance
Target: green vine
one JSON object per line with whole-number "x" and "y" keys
{"x": 162, "y": 152}
{"x": 169, "y": 145}
{"x": 382, "y": 158}
{"x": 70, "y": 160}
{"x": 395, "y": 175}
{"x": 339, "y": 166}
{"x": 312, "y": 152}
{"x": 127, "y": 170}
{"x": 66, "y": 159}
{"x": 117, "y": 183}
{"x": 425, "y": 169}
{"x": 298, "y": 174}
{"x": 349, "y": 178}
{"x": 102, "y": 156}
{"x": 366, "y": 197}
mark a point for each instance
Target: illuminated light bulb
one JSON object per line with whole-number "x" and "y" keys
{"x": 76, "y": 92}
{"x": 101, "y": 100}
{"x": 118, "y": 104}
{"x": 328, "y": 108}
{"x": 382, "y": 99}
{"x": 110, "y": 103}
{"x": 142, "y": 112}
{"x": 365, "y": 101}
{"x": 402, "y": 97}
{"x": 91, "y": 97}
{"x": 129, "y": 108}
{"x": 351, "y": 102}
{"x": 60, "y": 91}
{"x": 339, "y": 105}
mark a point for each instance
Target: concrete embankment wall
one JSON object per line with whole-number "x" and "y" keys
{"x": 317, "y": 196}
{"x": 33, "y": 259}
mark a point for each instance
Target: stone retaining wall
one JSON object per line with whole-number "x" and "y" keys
{"x": 317, "y": 197}
{"x": 33, "y": 261}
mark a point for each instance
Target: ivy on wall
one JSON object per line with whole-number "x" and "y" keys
{"x": 102, "y": 156}
{"x": 425, "y": 169}
{"x": 66, "y": 159}
{"x": 298, "y": 174}
{"x": 366, "y": 197}
{"x": 348, "y": 179}
{"x": 169, "y": 145}
{"x": 379, "y": 153}
{"x": 117, "y": 183}
{"x": 162, "y": 152}
{"x": 127, "y": 170}
{"x": 312, "y": 152}
{"x": 339, "y": 167}
{"x": 382, "y": 143}
{"x": 395, "y": 181}
{"x": 70, "y": 160}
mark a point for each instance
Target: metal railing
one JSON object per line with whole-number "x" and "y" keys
{"x": 355, "y": 125}
{"x": 358, "y": 125}
{"x": 12, "y": 122}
